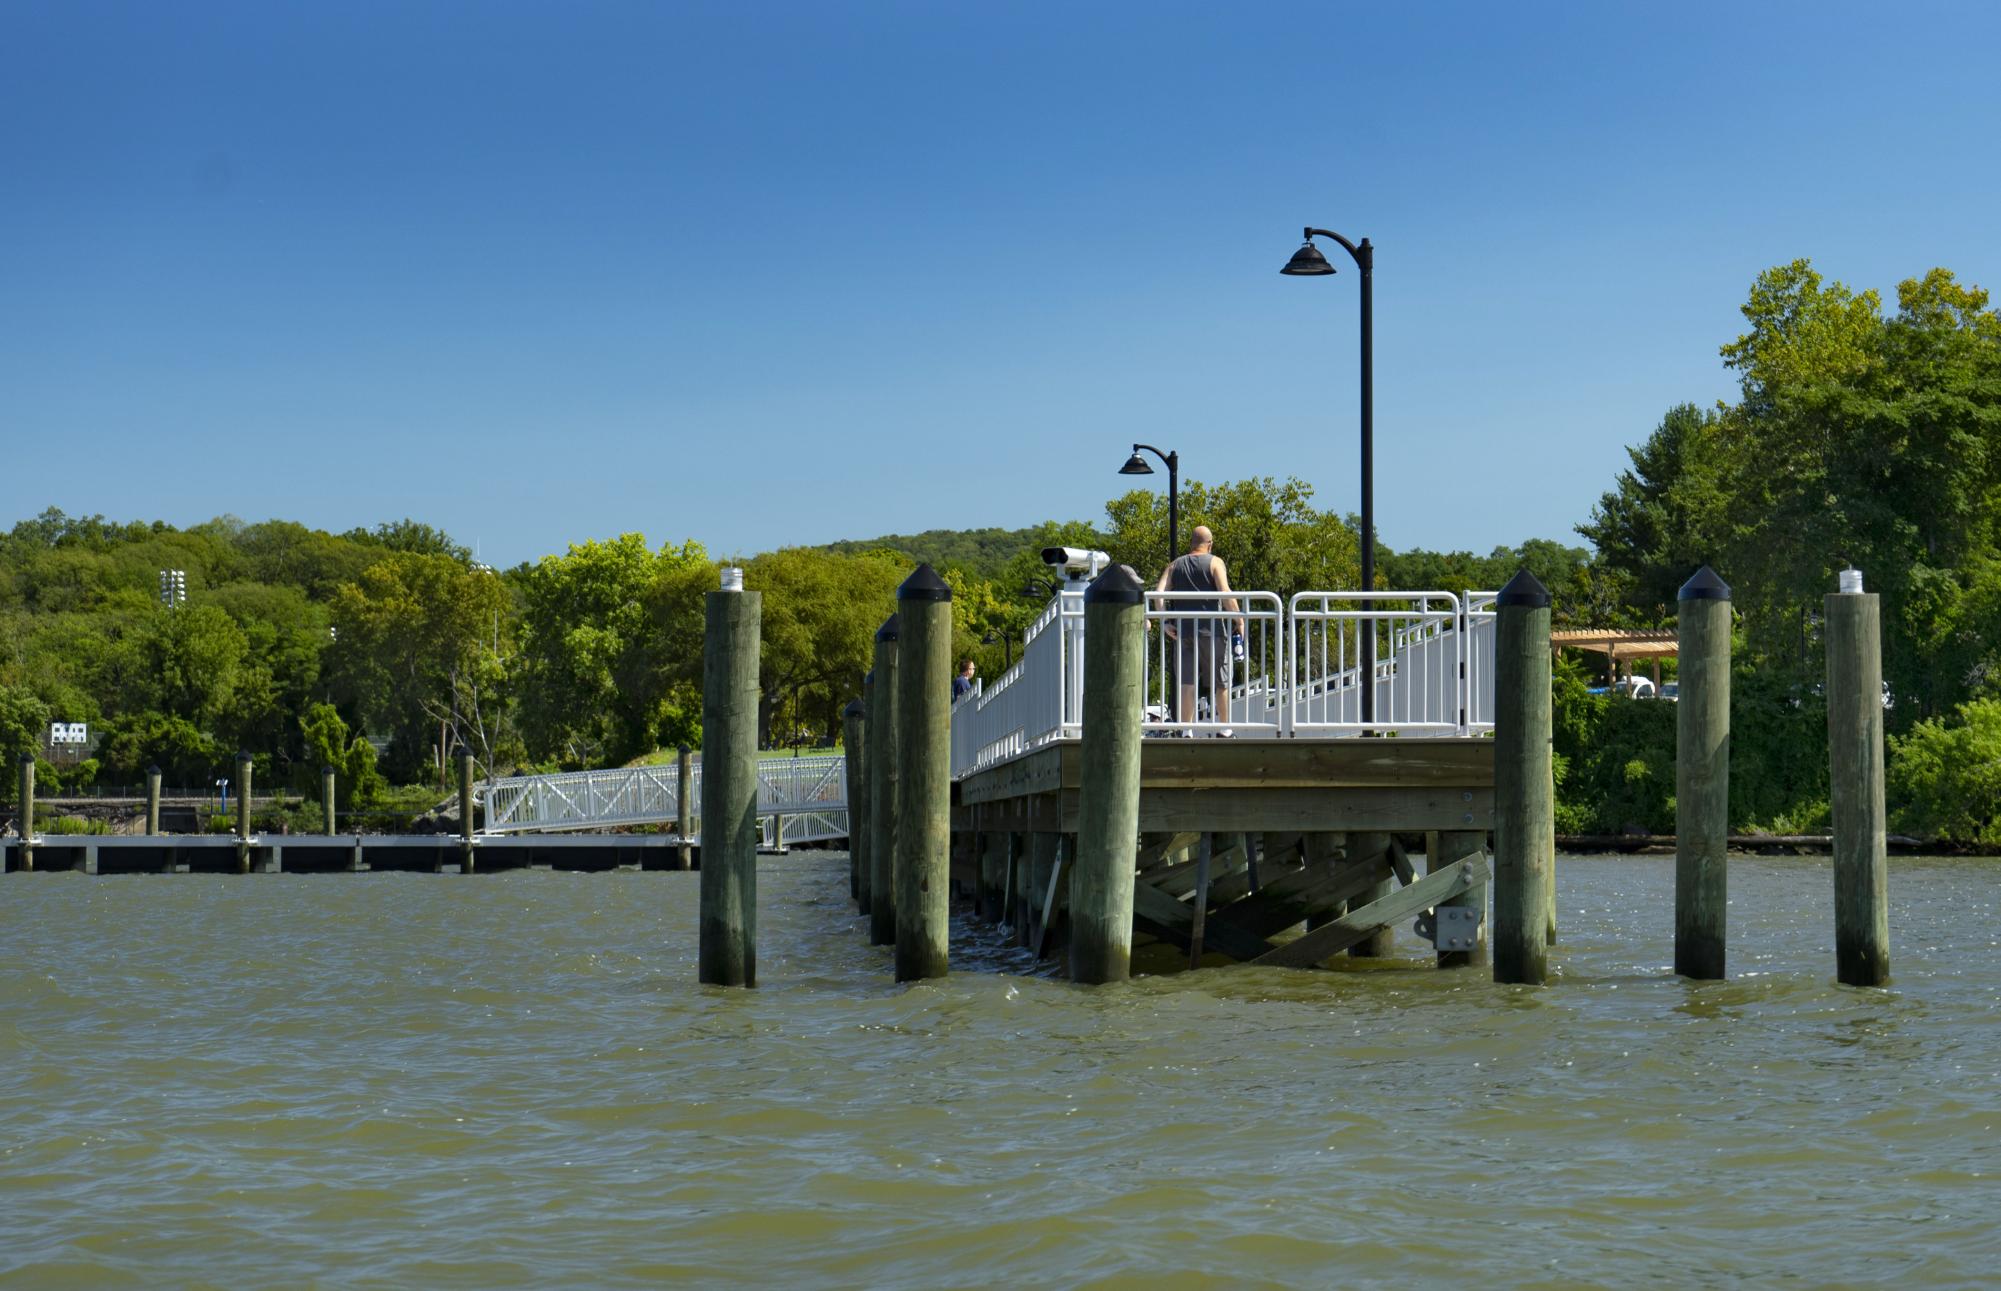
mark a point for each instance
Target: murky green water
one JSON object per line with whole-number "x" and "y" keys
{"x": 512, "y": 1079}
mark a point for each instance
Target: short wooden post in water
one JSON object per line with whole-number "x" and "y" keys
{"x": 730, "y": 643}
{"x": 882, "y": 769}
{"x": 465, "y": 812}
{"x": 1524, "y": 820}
{"x": 1451, "y": 846}
{"x": 27, "y": 825}
{"x": 924, "y": 775}
{"x": 1702, "y": 776}
{"x": 328, "y": 820}
{"x": 1101, "y": 881}
{"x": 851, "y": 777}
{"x": 1855, "y": 764}
{"x": 243, "y": 768}
{"x": 152, "y": 801}
{"x": 684, "y": 807}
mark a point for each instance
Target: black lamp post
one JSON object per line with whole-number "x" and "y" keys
{"x": 1002, "y": 637}
{"x": 1137, "y": 465}
{"x": 1042, "y": 587}
{"x": 1307, "y": 262}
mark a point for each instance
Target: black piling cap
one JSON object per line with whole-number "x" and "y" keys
{"x": 887, "y": 632}
{"x": 243, "y": 755}
{"x": 1118, "y": 585}
{"x": 154, "y": 769}
{"x": 868, "y": 678}
{"x": 1704, "y": 585}
{"x": 27, "y": 759}
{"x": 683, "y": 750}
{"x": 326, "y": 770}
{"x": 923, "y": 585}
{"x": 855, "y": 710}
{"x": 1524, "y": 589}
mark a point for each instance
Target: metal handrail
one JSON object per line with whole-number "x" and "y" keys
{"x": 1417, "y": 683}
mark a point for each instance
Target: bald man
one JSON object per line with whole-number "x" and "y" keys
{"x": 1198, "y": 652}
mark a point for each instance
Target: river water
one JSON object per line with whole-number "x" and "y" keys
{"x": 512, "y": 1079}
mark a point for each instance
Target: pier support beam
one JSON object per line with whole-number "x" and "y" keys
{"x": 1101, "y": 882}
{"x": 882, "y": 768}
{"x": 1702, "y": 777}
{"x": 465, "y": 812}
{"x": 1524, "y": 817}
{"x": 1451, "y": 847}
{"x": 153, "y": 801}
{"x": 851, "y": 771}
{"x": 327, "y": 818}
{"x": 862, "y": 797}
{"x": 1377, "y": 944}
{"x": 1855, "y": 762}
{"x": 730, "y": 645}
{"x": 924, "y": 776}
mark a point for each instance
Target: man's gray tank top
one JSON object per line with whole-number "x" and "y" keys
{"x": 1194, "y": 573}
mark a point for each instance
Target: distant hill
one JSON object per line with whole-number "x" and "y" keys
{"x": 979, "y": 552}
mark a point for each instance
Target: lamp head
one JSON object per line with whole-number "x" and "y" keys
{"x": 1136, "y": 465}
{"x": 1307, "y": 262}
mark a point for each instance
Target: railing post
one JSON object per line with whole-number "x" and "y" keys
{"x": 924, "y": 775}
{"x": 1524, "y": 822}
{"x": 1702, "y": 776}
{"x": 882, "y": 768}
{"x": 730, "y": 646}
{"x": 851, "y": 738}
{"x": 1855, "y": 761}
{"x": 684, "y": 807}
{"x": 152, "y": 801}
{"x": 1101, "y": 882}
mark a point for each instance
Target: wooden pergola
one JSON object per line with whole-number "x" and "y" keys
{"x": 1620, "y": 646}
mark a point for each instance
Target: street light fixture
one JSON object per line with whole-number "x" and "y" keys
{"x": 1307, "y": 262}
{"x": 1042, "y": 587}
{"x": 1137, "y": 465}
{"x": 1002, "y": 637}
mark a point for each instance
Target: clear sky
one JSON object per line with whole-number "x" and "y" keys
{"x": 762, "y": 274}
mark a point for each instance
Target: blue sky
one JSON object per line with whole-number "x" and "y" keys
{"x": 761, "y": 274}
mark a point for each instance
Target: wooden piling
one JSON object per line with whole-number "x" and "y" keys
{"x": 465, "y": 812}
{"x": 27, "y": 823}
{"x": 153, "y": 801}
{"x": 730, "y": 645}
{"x": 851, "y": 770}
{"x": 924, "y": 775}
{"x": 861, "y": 799}
{"x": 327, "y": 818}
{"x": 882, "y": 768}
{"x": 1524, "y": 818}
{"x": 1449, "y": 848}
{"x": 1101, "y": 881}
{"x": 243, "y": 769}
{"x": 1702, "y": 776}
{"x": 1855, "y": 763}
{"x": 684, "y": 807}
{"x": 1363, "y": 846}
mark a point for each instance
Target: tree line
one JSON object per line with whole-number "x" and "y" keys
{"x": 1860, "y": 436}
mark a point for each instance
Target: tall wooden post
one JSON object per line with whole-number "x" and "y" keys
{"x": 730, "y": 644}
{"x": 863, "y": 802}
{"x": 465, "y": 812}
{"x": 244, "y": 767}
{"x": 27, "y": 811}
{"x": 882, "y": 769}
{"x": 924, "y": 775}
{"x": 1855, "y": 761}
{"x": 851, "y": 743}
{"x": 1101, "y": 881}
{"x": 1524, "y": 817}
{"x": 684, "y": 807}
{"x": 1702, "y": 777}
{"x": 153, "y": 801}
{"x": 328, "y": 820}
{"x": 1379, "y": 943}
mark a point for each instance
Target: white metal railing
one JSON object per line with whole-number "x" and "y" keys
{"x": 813, "y": 789}
{"x": 1300, "y": 673}
{"x": 1211, "y": 669}
{"x": 1415, "y": 680}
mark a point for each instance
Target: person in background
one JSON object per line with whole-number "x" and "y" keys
{"x": 962, "y": 685}
{"x": 1195, "y": 654}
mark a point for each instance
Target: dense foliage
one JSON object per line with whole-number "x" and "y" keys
{"x": 1859, "y": 436}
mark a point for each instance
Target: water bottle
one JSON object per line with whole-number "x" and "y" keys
{"x": 1237, "y": 646}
